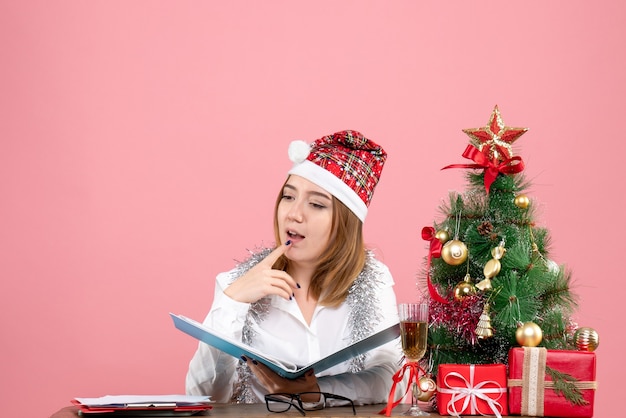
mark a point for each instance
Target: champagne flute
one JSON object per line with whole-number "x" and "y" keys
{"x": 414, "y": 335}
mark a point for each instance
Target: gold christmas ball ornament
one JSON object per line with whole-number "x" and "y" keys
{"x": 454, "y": 252}
{"x": 586, "y": 339}
{"x": 464, "y": 288}
{"x": 443, "y": 236}
{"x": 428, "y": 389}
{"x": 522, "y": 201}
{"x": 529, "y": 334}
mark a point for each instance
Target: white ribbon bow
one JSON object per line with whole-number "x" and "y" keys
{"x": 470, "y": 393}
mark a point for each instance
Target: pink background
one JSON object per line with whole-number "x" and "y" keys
{"x": 142, "y": 144}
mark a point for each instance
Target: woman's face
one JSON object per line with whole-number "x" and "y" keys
{"x": 304, "y": 216}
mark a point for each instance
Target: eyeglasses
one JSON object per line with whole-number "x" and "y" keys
{"x": 282, "y": 402}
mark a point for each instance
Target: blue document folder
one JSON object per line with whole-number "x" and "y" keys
{"x": 287, "y": 370}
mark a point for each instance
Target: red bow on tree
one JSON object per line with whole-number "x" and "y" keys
{"x": 492, "y": 168}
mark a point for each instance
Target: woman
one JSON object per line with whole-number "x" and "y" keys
{"x": 316, "y": 293}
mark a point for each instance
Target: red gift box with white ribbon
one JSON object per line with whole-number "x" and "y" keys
{"x": 539, "y": 379}
{"x": 470, "y": 389}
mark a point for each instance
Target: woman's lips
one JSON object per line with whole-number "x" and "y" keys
{"x": 294, "y": 236}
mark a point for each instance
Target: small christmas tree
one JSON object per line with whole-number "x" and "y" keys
{"x": 490, "y": 279}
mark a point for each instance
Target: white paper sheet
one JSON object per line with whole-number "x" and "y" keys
{"x": 118, "y": 400}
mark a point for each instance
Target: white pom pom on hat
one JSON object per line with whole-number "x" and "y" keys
{"x": 298, "y": 151}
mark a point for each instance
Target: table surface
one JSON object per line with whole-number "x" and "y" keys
{"x": 259, "y": 410}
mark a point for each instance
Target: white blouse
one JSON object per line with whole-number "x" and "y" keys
{"x": 285, "y": 334}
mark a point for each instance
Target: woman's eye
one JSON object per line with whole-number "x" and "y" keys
{"x": 317, "y": 206}
{"x": 286, "y": 197}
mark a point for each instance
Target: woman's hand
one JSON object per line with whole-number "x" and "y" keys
{"x": 262, "y": 280}
{"x": 277, "y": 384}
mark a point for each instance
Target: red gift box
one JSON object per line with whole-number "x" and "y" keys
{"x": 531, "y": 388}
{"x": 472, "y": 389}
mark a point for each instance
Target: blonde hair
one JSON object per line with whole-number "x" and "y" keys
{"x": 340, "y": 263}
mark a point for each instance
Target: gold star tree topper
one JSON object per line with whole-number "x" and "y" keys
{"x": 495, "y": 137}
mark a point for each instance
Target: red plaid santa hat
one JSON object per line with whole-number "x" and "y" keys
{"x": 346, "y": 164}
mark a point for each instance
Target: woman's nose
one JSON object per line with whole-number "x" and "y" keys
{"x": 295, "y": 214}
